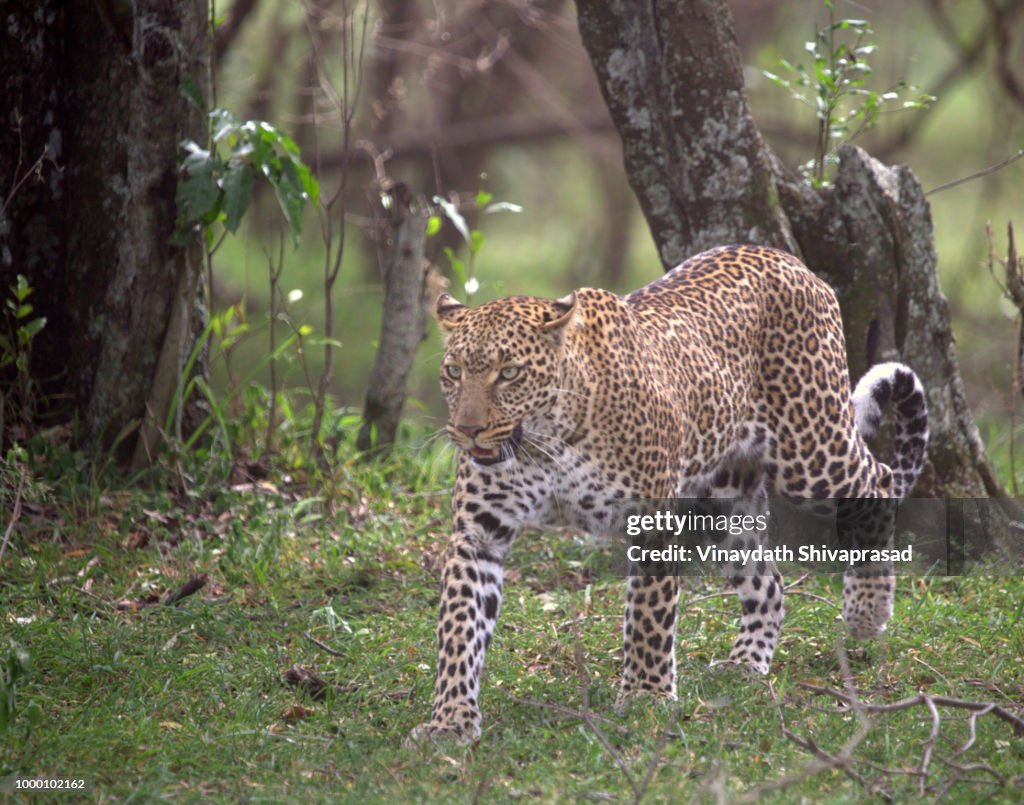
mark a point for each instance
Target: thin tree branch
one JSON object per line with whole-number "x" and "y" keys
{"x": 989, "y": 170}
{"x": 480, "y": 133}
{"x": 905, "y": 704}
{"x": 15, "y": 511}
{"x": 227, "y": 33}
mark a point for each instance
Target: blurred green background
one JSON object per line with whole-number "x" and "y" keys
{"x": 454, "y": 97}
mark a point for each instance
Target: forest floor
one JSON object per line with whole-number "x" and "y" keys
{"x": 147, "y": 698}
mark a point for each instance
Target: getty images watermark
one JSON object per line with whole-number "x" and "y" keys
{"x": 912, "y": 537}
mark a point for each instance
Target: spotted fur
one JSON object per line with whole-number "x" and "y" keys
{"x": 725, "y": 376}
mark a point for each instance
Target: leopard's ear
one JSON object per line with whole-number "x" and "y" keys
{"x": 449, "y": 312}
{"x": 562, "y": 312}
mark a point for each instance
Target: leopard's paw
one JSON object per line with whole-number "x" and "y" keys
{"x": 440, "y": 735}
{"x": 744, "y": 664}
{"x": 629, "y": 696}
{"x": 867, "y": 606}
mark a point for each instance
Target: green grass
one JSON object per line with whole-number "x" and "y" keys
{"x": 187, "y": 702}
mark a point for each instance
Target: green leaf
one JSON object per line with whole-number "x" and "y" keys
{"x": 309, "y": 183}
{"x": 291, "y": 196}
{"x": 237, "y": 194}
{"x": 477, "y": 240}
{"x": 33, "y": 327}
{"x": 286, "y": 142}
{"x": 198, "y": 196}
{"x": 482, "y": 199}
{"x": 433, "y": 225}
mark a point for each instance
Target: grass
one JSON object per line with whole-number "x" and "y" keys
{"x": 186, "y": 702}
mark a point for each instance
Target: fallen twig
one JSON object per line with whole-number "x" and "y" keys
{"x": 581, "y": 672}
{"x": 323, "y": 646}
{"x": 568, "y": 712}
{"x": 929, "y": 745}
{"x": 979, "y": 174}
{"x": 190, "y": 587}
{"x": 941, "y": 701}
{"x": 824, "y": 760}
{"x": 315, "y": 685}
{"x": 15, "y": 512}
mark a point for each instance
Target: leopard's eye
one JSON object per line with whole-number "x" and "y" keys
{"x": 454, "y": 372}
{"x": 509, "y": 372}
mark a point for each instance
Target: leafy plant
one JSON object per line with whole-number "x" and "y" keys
{"x": 835, "y": 87}
{"x": 474, "y": 238}
{"x": 16, "y": 667}
{"x": 218, "y": 180}
{"x": 16, "y": 347}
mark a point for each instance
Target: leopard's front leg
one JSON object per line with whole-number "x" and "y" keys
{"x": 471, "y": 589}
{"x": 649, "y": 629}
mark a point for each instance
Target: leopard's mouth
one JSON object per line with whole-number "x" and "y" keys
{"x": 485, "y": 454}
{"x": 505, "y": 450}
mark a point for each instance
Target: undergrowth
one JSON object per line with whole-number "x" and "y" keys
{"x": 148, "y": 699}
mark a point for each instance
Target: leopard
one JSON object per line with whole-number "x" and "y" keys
{"x": 727, "y": 375}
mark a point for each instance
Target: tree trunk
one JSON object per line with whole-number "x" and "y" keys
{"x": 96, "y": 84}
{"x": 410, "y": 288}
{"x": 671, "y": 74}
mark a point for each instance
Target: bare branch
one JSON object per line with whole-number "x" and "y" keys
{"x": 15, "y": 512}
{"x": 986, "y": 172}
{"x": 904, "y": 704}
{"x": 929, "y": 745}
{"x": 323, "y": 646}
{"x": 584, "y": 680}
{"x": 481, "y": 133}
{"x": 229, "y": 30}
{"x": 190, "y": 587}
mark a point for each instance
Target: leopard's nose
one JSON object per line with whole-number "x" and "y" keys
{"x": 472, "y": 431}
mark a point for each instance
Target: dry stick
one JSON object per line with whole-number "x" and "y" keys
{"x": 345, "y": 103}
{"x": 980, "y": 174}
{"x": 190, "y": 587}
{"x": 656, "y": 758}
{"x": 581, "y": 672}
{"x": 972, "y": 737}
{"x": 969, "y": 767}
{"x": 15, "y": 511}
{"x": 929, "y": 745}
{"x": 825, "y": 761}
{"x": 323, "y": 646}
{"x": 905, "y": 704}
{"x": 786, "y": 590}
{"x": 568, "y": 712}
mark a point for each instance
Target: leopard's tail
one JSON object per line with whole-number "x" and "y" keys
{"x": 895, "y": 383}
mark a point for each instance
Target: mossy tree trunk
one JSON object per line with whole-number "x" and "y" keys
{"x": 94, "y": 85}
{"x": 672, "y": 77}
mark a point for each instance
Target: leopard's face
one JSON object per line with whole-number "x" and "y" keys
{"x": 500, "y": 370}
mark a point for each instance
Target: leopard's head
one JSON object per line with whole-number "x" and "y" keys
{"x": 500, "y": 369}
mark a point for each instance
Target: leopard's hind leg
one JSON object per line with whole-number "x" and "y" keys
{"x": 758, "y": 584}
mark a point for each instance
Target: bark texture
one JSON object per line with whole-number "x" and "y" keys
{"x": 410, "y": 288}
{"x": 671, "y": 74}
{"x": 693, "y": 154}
{"x": 96, "y": 82}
